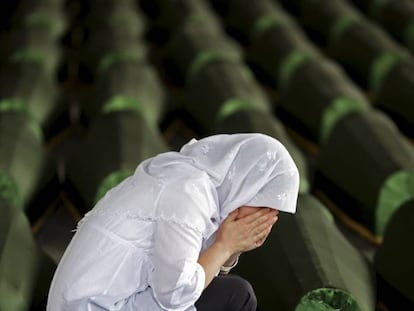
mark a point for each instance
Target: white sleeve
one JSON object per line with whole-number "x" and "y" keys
{"x": 178, "y": 279}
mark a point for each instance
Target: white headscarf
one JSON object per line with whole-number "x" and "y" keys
{"x": 247, "y": 169}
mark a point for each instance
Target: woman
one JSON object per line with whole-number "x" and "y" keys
{"x": 159, "y": 239}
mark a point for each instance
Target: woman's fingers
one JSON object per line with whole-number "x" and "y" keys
{"x": 232, "y": 216}
{"x": 256, "y": 216}
{"x": 260, "y": 216}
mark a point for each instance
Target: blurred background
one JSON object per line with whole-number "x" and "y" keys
{"x": 90, "y": 88}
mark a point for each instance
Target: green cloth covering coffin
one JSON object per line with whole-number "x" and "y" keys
{"x": 366, "y": 51}
{"x": 194, "y": 45}
{"x": 351, "y": 39}
{"x": 323, "y": 19}
{"x": 394, "y": 260}
{"x": 248, "y": 18}
{"x": 117, "y": 37}
{"x": 368, "y": 166}
{"x": 127, "y": 85}
{"x": 222, "y": 84}
{"x": 101, "y": 10}
{"x": 48, "y": 15}
{"x": 25, "y": 167}
{"x": 306, "y": 264}
{"x": 114, "y": 146}
{"x": 241, "y": 120}
{"x": 317, "y": 95}
{"x": 275, "y": 41}
{"x": 397, "y": 17}
{"x": 25, "y": 271}
{"x": 31, "y": 42}
{"x": 395, "y": 95}
{"x": 122, "y": 16}
{"x": 172, "y": 15}
{"x": 30, "y": 85}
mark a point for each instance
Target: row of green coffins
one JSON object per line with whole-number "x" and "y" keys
{"x": 34, "y": 32}
{"x": 111, "y": 31}
{"x": 218, "y": 83}
{"x": 366, "y": 51}
{"x": 25, "y": 270}
{"x": 124, "y": 105}
{"x": 116, "y": 56}
{"x": 376, "y": 215}
{"x": 314, "y": 92}
{"x": 29, "y": 105}
{"x": 303, "y": 78}
{"x": 30, "y": 58}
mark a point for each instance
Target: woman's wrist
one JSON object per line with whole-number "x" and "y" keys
{"x": 230, "y": 263}
{"x": 231, "y": 260}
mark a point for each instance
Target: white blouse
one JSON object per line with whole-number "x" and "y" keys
{"x": 138, "y": 247}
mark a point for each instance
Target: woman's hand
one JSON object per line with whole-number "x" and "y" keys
{"x": 239, "y": 235}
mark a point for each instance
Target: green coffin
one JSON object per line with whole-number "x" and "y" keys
{"x": 249, "y": 18}
{"x": 368, "y": 167}
{"x": 220, "y": 86}
{"x": 395, "y": 95}
{"x": 364, "y": 50}
{"x": 25, "y": 271}
{"x": 397, "y": 17}
{"x": 317, "y": 95}
{"x": 23, "y": 159}
{"x": 114, "y": 146}
{"x": 118, "y": 36}
{"x": 122, "y": 16}
{"x": 31, "y": 44}
{"x": 306, "y": 264}
{"x": 394, "y": 260}
{"x": 194, "y": 45}
{"x": 32, "y": 86}
{"x": 171, "y": 15}
{"x": 275, "y": 41}
{"x": 48, "y": 15}
{"x": 323, "y": 19}
{"x": 254, "y": 121}
{"x": 127, "y": 85}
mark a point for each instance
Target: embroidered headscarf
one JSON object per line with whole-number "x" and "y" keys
{"x": 247, "y": 169}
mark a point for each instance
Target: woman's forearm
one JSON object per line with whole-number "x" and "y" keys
{"x": 212, "y": 259}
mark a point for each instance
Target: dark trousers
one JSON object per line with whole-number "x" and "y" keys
{"x": 227, "y": 293}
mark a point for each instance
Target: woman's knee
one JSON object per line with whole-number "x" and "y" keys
{"x": 244, "y": 297}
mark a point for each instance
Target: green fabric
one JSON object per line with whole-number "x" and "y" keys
{"x": 121, "y": 103}
{"x": 289, "y": 64}
{"x": 408, "y": 35}
{"x": 381, "y": 67}
{"x": 266, "y": 22}
{"x": 205, "y": 57}
{"x": 8, "y": 189}
{"x": 111, "y": 181}
{"x": 29, "y": 55}
{"x": 42, "y": 20}
{"x": 327, "y": 299}
{"x": 17, "y": 105}
{"x": 338, "y": 108}
{"x": 233, "y": 106}
{"x": 119, "y": 56}
{"x": 396, "y": 190}
{"x": 341, "y": 26}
